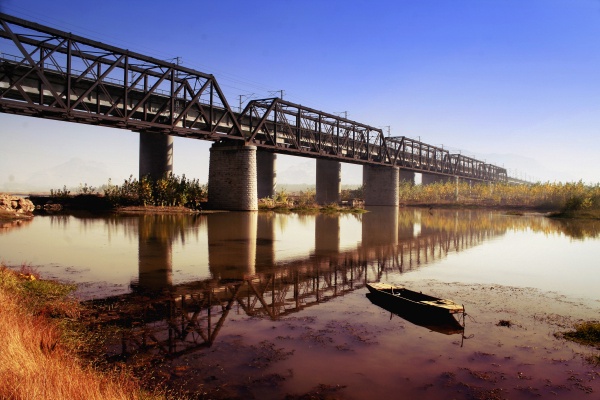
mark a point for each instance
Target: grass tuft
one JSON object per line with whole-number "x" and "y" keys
{"x": 587, "y": 333}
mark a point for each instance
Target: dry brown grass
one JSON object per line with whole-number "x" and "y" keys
{"x": 35, "y": 364}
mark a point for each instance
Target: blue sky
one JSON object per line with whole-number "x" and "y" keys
{"x": 515, "y": 82}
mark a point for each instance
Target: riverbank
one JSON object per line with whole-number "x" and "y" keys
{"x": 43, "y": 342}
{"x": 528, "y": 355}
{"x": 576, "y": 214}
{"x": 100, "y": 204}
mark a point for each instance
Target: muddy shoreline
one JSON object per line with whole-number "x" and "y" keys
{"x": 351, "y": 349}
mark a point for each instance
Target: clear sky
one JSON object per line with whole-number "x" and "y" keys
{"x": 514, "y": 82}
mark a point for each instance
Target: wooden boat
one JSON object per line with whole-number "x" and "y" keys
{"x": 408, "y": 301}
{"x": 441, "y": 323}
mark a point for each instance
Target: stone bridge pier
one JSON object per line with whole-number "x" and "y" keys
{"x": 407, "y": 176}
{"x": 380, "y": 185}
{"x": 240, "y": 174}
{"x": 266, "y": 173}
{"x": 428, "y": 179}
{"x": 329, "y": 181}
{"x": 232, "y": 177}
{"x": 156, "y": 155}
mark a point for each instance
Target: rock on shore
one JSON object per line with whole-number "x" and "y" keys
{"x": 15, "y": 206}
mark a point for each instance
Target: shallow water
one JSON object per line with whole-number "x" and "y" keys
{"x": 262, "y": 305}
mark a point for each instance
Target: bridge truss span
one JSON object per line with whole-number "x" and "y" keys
{"x": 52, "y": 74}
{"x": 291, "y": 128}
{"x": 288, "y": 127}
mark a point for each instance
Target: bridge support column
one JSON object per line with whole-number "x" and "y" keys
{"x": 156, "y": 155}
{"x": 232, "y": 177}
{"x": 266, "y": 173}
{"x": 407, "y": 176}
{"x": 428, "y": 179}
{"x": 329, "y": 181}
{"x": 380, "y": 185}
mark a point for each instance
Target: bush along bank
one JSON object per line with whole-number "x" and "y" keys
{"x": 305, "y": 202}
{"x": 169, "y": 191}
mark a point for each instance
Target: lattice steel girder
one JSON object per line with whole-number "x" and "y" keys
{"x": 299, "y": 129}
{"x": 418, "y": 156}
{"x": 54, "y": 74}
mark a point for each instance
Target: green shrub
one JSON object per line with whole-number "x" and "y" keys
{"x": 170, "y": 190}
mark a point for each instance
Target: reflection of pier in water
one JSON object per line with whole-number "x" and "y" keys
{"x": 174, "y": 319}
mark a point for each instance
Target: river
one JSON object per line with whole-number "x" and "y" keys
{"x": 269, "y": 305}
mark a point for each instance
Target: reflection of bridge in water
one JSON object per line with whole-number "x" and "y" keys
{"x": 247, "y": 277}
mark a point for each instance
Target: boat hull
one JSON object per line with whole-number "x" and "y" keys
{"x": 437, "y": 322}
{"x": 406, "y": 301}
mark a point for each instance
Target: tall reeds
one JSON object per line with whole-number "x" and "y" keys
{"x": 552, "y": 196}
{"x": 35, "y": 360}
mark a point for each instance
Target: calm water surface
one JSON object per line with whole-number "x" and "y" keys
{"x": 245, "y": 305}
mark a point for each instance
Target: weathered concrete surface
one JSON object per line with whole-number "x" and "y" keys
{"x": 156, "y": 155}
{"x": 266, "y": 174}
{"x": 329, "y": 181}
{"x": 407, "y": 176}
{"x": 381, "y": 185}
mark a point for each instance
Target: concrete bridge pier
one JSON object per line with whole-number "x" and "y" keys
{"x": 381, "y": 185}
{"x": 266, "y": 173}
{"x": 232, "y": 177}
{"x": 329, "y": 181}
{"x": 156, "y": 155}
{"x": 428, "y": 179}
{"x": 407, "y": 176}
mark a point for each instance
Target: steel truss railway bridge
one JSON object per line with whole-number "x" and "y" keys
{"x": 48, "y": 73}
